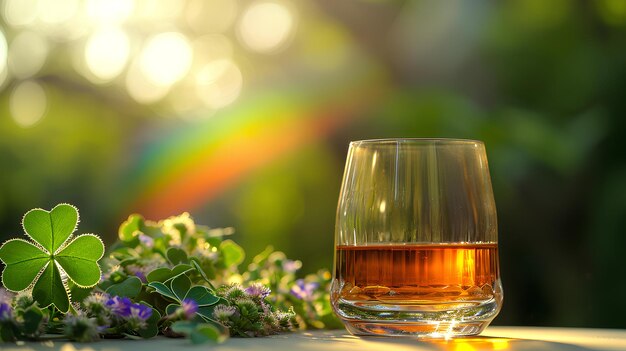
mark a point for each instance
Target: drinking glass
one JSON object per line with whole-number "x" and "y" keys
{"x": 416, "y": 250}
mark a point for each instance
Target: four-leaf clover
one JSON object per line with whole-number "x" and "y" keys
{"x": 53, "y": 257}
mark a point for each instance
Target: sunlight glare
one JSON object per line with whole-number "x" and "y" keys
{"x": 110, "y": 11}
{"x": 166, "y": 58}
{"x": 159, "y": 10}
{"x": 266, "y": 26}
{"x": 107, "y": 52}
{"x": 211, "y": 16}
{"x": 141, "y": 88}
{"x": 57, "y": 11}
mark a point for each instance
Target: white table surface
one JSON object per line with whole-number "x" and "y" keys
{"x": 494, "y": 338}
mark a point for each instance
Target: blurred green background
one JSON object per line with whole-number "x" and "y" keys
{"x": 240, "y": 112}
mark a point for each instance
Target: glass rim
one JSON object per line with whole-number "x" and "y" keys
{"x": 416, "y": 141}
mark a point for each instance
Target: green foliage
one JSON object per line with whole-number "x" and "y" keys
{"x": 160, "y": 277}
{"x": 164, "y": 273}
{"x": 233, "y": 254}
{"x": 199, "y": 333}
{"x": 179, "y": 289}
{"x": 38, "y": 263}
{"x": 308, "y": 297}
{"x": 129, "y": 287}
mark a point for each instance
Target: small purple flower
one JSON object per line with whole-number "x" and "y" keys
{"x": 141, "y": 276}
{"x": 5, "y": 296}
{"x": 138, "y": 272}
{"x": 137, "y": 316}
{"x": 140, "y": 312}
{"x": 146, "y": 241}
{"x": 258, "y": 290}
{"x": 188, "y": 309}
{"x": 120, "y": 306}
{"x": 6, "y": 312}
{"x": 304, "y": 290}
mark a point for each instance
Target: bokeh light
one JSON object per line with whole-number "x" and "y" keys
{"x": 265, "y": 26}
{"x": 109, "y": 11}
{"x": 20, "y": 12}
{"x": 147, "y": 11}
{"x": 141, "y": 88}
{"x": 56, "y": 11}
{"x": 107, "y": 52}
{"x": 166, "y": 58}
{"x": 209, "y": 48}
{"x": 166, "y": 47}
{"x": 211, "y": 16}
{"x": 27, "y": 54}
{"x": 219, "y": 83}
{"x": 28, "y": 103}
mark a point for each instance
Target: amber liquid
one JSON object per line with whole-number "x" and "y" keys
{"x": 417, "y": 274}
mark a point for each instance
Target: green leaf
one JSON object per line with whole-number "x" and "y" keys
{"x": 200, "y": 271}
{"x": 39, "y": 264}
{"x": 177, "y": 255}
{"x": 163, "y": 274}
{"x": 201, "y": 332}
{"x": 184, "y": 327}
{"x": 77, "y": 293}
{"x": 19, "y": 250}
{"x": 131, "y": 287}
{"x": 118, "y": 277}
{"x": 180, "y": 269}
{"x": 128, "y": 261}
{"x": 23, "y": 262}
{"x": 151, "y": 329}
{"x": 206, "y": 332}
{"x": 49, "y": 289}
{"x": 171, "y": 308}
{"x": 163, "y": 290}
{"x": 233, "y": 254}
{"x": 202, "y": 295}
{"x": 159, "y": 275}
{"x": 180, "y": 285}
{"x": 79, "y": 260}
{"x": 128, "y": 230}
{"x": 206, "y": 312}
{"x": 51, "y": 229}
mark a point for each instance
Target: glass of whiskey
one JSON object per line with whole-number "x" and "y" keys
{"x": 416, "y": 250}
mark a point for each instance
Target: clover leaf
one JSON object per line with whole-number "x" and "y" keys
{"x": 52, "y": 257}
{"x": 180, "y": 288}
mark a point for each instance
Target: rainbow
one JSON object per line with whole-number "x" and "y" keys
{"x": 192, "y": 164}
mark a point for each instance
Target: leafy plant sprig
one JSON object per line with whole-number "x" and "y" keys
{"x": 171, "y": 277}
{"x": 52, "y": 258}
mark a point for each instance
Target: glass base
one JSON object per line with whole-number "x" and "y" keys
{"x": 443, "y": 330}
{"x": 433, "y": 320}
